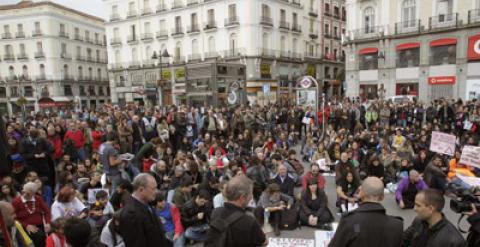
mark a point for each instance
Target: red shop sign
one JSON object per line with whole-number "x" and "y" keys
{"x": 473, "y": 52}
{"x": 442, "y": 80}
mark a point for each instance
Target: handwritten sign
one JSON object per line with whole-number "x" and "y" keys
{"x": 290, "y": 242}
{"x": 472, "y": 181}
{"x": 323, "y": 238}
{"x": 442, "y": 143}
{"x": 471, "y": 156}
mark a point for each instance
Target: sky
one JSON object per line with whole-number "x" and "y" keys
{"x": 92, "y": 7}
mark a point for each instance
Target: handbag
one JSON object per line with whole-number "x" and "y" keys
{"x": 289, "y": 218}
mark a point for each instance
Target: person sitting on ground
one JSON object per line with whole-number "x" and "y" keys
{"x": 219, "y": 199}
{"x": 347, "y": 190}
{"x": 286, "y": 183}
{"x": 408, "y": 188}
{"x": 313, "y": 173}
{"x": 121, "y": 193}
{"x": 183, "y": 193}
{"x": 78, "y": 233}
{"x": 169, "y": 215}
{"x": 101, "y": 197}
{"x": 195, "y": 215}
{"x": 314, "y": 207}
{"x": 344, "y": 167}
{"x": 270, "y": 205}
{"x": 68, "y": 205}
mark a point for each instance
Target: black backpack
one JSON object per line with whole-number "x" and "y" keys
{"x": 219, "y": 232}
{"x": 289, "y": 218}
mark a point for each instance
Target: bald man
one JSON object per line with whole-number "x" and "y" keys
{"x": 369, "y": 225}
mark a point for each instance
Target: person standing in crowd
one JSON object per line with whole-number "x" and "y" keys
{"x": 233, "y": 219}
{"x": 139, "y": 225}
{"x": 408, "y": 188}
{"x": 111, "y": 161}
{"x": 369, "y": 225}
{"x": 77, "y": 137}
{"x": 431, "y": 228}
{"x": 35, "y": 151}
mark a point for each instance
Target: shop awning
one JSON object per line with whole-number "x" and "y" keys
{"x": 368, "y": 50}
{"x": 445, "y": 41}
{"x": 46, "y": 102}
{"x": 407, "y": 46}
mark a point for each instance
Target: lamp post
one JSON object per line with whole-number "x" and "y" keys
{"x": 160, "y": 84}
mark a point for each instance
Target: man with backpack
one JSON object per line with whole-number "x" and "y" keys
{"x": 230, "y": 225}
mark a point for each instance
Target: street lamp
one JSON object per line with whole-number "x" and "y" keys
{"x": 160, "y": 84}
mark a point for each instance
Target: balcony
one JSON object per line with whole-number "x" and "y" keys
{"x": 178, "y": 59}
{"x": 284, "y": 25}
{"x": 267, "y": 53}
{"x": 90, "y": 59}
{"x": 210, "y": 25}
{"x": 131, "y": 13}
{"x": 115, "y": 41}
{"x": 161, "y": 8}
{"x": 313, "y": 34}
{"x": 39, "y": 54}
{"x": 211, "y": 54}
{"x": 37, "y": 33}
{"x": 327, "y": 35}
{"x": 147, "y": 36}
{"x": 231, "y": 21}
{"x": 65, "y": 55}
{"x": 88, "y": 40}
{"x": 178, "y": 4}
{"x": 7, "y": 36}
{"x": 336, "y": 15}
{"x": 20, "y": 35}
{"x": 267, "y": 21}
{"x": 284, "y": 54}
{"x": 41, "y": 78}
{"x": 296, "y": 56}
{"x": 67, "y": 78}
{"x": 296, "y": 28}
{"x": 148, "y": 63}
{"x": 296, "y": 3}
{"x": 114, "y": 17}
{"x": 178, "y": 31}
{"x": 163, "y": 34}
{"x": 146, "y": 11}
{"x": 232, "y": 53}
{"x": 8, "y": 57}
{"x": 22, "y": 56}
{"x": 81, "y": 58}
{"x": 312, "y": 55}
{"x": 193, "y": 28}
{"x": 194, "y": 57}
{"x": 101, "y": 60}
{"x": 327, "y": 13}
{"x": 64, "y": 34}
{"x": 337, "y": 36}
{"x": 443, "y": 21}
{"x": 369, "y": 32}
{"x": 78, "y": 37}
{"x": 134, "y": 64}
{"x": 313, "y": 12}
{"x": 192, "y": 2}
{"x": 474, "y": 16}
{"x": 116, "y": 66}
{"x": 132, "y": 39}
{"x": 11, "y": 78}
{"x": 407, "y": 27}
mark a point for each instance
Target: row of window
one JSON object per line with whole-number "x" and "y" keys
{"x": 28, "y": 91}
{"x": 445, "y": 54}
{"x": 10, "y": 53}
{"x": 63, "y": 32}
{"x": 66, "y": 74}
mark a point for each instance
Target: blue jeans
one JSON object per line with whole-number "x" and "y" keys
{"x": 81, "y": 154}
{"x": 197, "y": 233}
{"x": 180, "y": 242}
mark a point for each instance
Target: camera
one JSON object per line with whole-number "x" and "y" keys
{"x": 464, "y": 199}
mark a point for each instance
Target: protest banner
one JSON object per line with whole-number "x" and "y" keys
{"x": 443, "y": 143}
{"x": 323, "y": 238}
{"x": 290, "y": 242}
{"x": 470, "y": 156}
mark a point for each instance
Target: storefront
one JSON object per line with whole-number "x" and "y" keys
{"x": 406, "y": 89}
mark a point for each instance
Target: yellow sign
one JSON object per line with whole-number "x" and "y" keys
{"x": 166, "y": 74}
{"x": 265, "y": 70}
{"x": 180, "y": 74}
{"x": 311, "y": 70}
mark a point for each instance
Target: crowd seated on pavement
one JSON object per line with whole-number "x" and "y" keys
{"x": 80, "y": 164}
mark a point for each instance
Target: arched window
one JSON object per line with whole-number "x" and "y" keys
{"x": 369, "y": 20}
{"x": 90, "y": 73}
{"x": 99, "y": 74}
{"x": 408, "y": 13}
{"x": 65, "y": 71}
{"x": 265, "y": 11}
{"x": 80, "y": 72}
{"x": 233, "y": 43}
{"x": 211, "y": 44}
{"x": 11, "y": 71}
{"x": 25, "y": 71}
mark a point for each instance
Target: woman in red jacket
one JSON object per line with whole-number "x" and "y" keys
{"x": 97, "y": 136}
{"x": 56, "y": 142}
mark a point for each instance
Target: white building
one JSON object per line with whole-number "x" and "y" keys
{"x": 427, "y": 48}
{"x": 277, "y": 41}
{"x": 51, "y": 56}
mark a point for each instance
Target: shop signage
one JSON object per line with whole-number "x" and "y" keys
{"x": 473, "y": 52}
{"x": 166, "y": 74}
{"x": 265, "y": 70}
{"x": 442, "y": 80}
{"x": 180, "y": 74}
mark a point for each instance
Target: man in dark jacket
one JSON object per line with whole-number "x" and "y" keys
{"x": 473, "y": 238}
{"x": 286, "y": 183}
{"x": 139, "y": 226}
{"x": 369, "y": 225}
{"x": 431, "y": 228}
{"x": 35, "y": 151}
{"x": 195, "y": 215}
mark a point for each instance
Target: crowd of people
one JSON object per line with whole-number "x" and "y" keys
{"x": 125, "y": 174}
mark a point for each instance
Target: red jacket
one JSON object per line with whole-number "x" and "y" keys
{"x": 176, "y": 218}
{"x": 320, "y": 180}
{"x": 51, "y": 242}
{"x": 97, "y": 139}
{"x": 56, "y": 142}
{"x": 77, "y": 137}
{"x": 25, "y": 218}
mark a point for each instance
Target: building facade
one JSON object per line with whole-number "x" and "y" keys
{"x": 276, "y": 40}
{"x": 426, "y": 48}
{"x": 51, "y": 56}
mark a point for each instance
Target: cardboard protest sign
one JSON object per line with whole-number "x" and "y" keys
{"x": 290, "y": 242}
{"x": 443, "y": 143}
{"x": 470, "y": 156}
